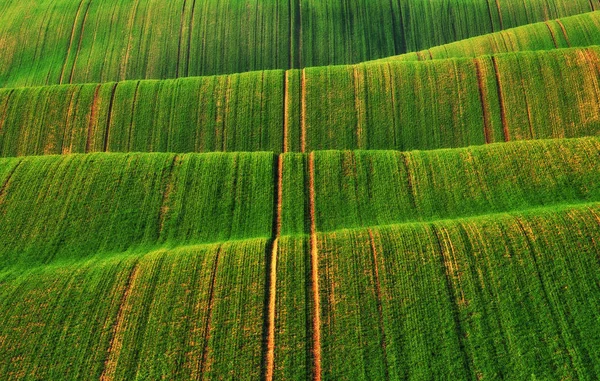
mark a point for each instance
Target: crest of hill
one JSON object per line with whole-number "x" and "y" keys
{"x": 68, "y": 41}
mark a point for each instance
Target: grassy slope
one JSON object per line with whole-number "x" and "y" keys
{"x": 416, "y": 301}
{"x": 92, "y": 41}
{"x": 459, "y": 264}
{"x": 368, "y": 106}
{"x": 573, "y": 31}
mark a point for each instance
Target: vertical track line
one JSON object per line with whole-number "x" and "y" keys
{"x": 93, "y": 112}
{"x": 82, "y": 29}
{"x": 286, "y": 111}
{"x": 272, "y": 280}
{"x": 551, "y": 34}
{"x": 564, "y": 31}
{"x": 379, "y": 303}
{"x": 303, "y": 112}
{"x": 209, "y": 313}
{"x": 116, "y": 340}
{"x": 109, "y": 118}
{"x": 68, "y": 53}
{"x": 486, "y": 116}
{"x": 181, "y": 19}
{"x": 314, "y": 260}
{"x": 501, "y": 100}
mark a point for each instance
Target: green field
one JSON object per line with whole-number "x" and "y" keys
{"x": 526, "y": 95}
{"x": 301, "y": 190}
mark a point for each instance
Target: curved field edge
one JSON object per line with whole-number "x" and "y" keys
{"x": 477, "y": 290}
{"x": 91, "y": 41}
{"x": 511, "y": 96}
{"x": 73, "y": 206}
{"x": 574, "y": 31}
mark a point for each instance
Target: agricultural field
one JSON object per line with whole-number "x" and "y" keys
{"x": 301, "y": 190}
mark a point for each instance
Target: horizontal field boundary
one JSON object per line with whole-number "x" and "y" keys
{"x": 366, "y": 64}
{"x": 174, "y": 249}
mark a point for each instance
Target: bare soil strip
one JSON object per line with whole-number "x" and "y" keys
{"x": 68, "y": 53}
{"x": 379, "y": 303}
{"x": 501, "y": 99}
{"x": 551, "y": 33}
{"x": 272, "y": 286}
{"x": 270, "y": 356}
{"x": 286, "y": 111}
{"x": 482, "y": 99}
{"x": 303, "y": 112}
{"x": 314, "y": 260}
{"x": 116, "y": 342}
{"x": 564, "y": 31}
{"x": 109, "y": 119}
{"x": 93, "y": 113}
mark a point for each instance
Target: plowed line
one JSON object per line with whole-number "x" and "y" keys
{"x": 66, "y": 128}
{"x": 449, "y": 266}
{"x": 109, "y": 118}
{"x": 528, "y": 111}
{"x": 499, "y": 14}
{"x": 564, "y": 31}
{"x": 314, "y": 259}
{"x": 164, "y": 207}
{"x": 80, "y": 40}
{"x": 272, "y": 286}
{"x": 486, "y": 116}
{"x": 501, "y": 100}
{"x": 358, "y": 107}
{"x": 189, "y": 42}
{"x": 303, "y": 112}
{"x": 135, "y": 95}
{"x": 116, "y": 341}
{"x": 7, "y": 181}
{"x": 93, "y": 113}
{"x": 180, "y": 38}
{"x": 5, "y": 109}
{"x": 211, "y": 303}
{"x": 123, "y": 73}
{"x": 286, "y": 111}
{"x": 379, "y": 302}
{"x": 62, "y": 72}
{"x": 552, "y": 34}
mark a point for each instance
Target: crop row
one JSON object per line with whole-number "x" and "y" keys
{"x": 573, "y": 31}
{"x": 503, "y": 296}
{"x": 528, "y": 95}
{"x": 181, "y": 313}
{"x": 66, "y": 207}
{"x": 57, "y": 208}
{"x": 66, "y": 41}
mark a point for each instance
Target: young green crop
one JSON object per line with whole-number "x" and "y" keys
{"x": 89, "y": 41}
{"x": 574, "y": 31}
{"x": 526, "y": 95}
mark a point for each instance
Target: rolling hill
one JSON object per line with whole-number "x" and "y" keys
{"x": 244, "y": 190}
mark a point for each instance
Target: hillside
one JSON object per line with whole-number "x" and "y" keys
{"x": 262, "y": 190}
{"x": 525, "y": 95}
{"x": 67, "y": 41}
